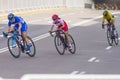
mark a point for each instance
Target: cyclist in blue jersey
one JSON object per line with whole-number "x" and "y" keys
{"x": 18, "y": 24}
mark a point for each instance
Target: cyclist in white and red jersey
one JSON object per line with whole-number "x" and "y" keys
{"x": 60, "y": 24}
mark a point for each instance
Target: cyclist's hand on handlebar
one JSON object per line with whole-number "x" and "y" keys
{"x": 5, "y": 34}
{"x": 103, "y": 26}
{"x": 50, "y": 31}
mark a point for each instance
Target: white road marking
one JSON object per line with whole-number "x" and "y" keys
{"x": 92, "y": 59}
{"x": 41, "y": 37}
{"x": 108, "y": 48}
{"x": 1, "y": 35}
{"x": 119, "y": 38}
{"x": 34, "y": 39}
{"x": 83, "y": 72}
{"x": 70, "y": 77}
{"x": 97, "y": 60}
{"x": 74, "y": 72}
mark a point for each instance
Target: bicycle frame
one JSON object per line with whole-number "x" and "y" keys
{"x": 62, "y": 37}
{"x": 16, "y": 37}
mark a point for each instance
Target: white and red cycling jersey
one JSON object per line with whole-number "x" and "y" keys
{"x": 60, "y": 23}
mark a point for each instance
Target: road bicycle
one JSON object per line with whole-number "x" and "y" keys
{"x": 61, "y": 43}
{"x": 112, "y": 35}
{"x": 20, "y": 45}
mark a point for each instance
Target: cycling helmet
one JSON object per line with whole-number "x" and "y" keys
{"x": 10, "y": 16}
{"x": 55, "y": 16}
{"x": 105, "y": 13}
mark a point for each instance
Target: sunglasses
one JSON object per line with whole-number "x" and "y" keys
{"x": 54, "y": 19}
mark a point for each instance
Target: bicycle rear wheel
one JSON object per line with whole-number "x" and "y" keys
{"x": 32, "y": 48}
{"x": 15, "y": 52}
{"x": 60, "y": 46}
{"x": 109, "y": 37}
{"x": 73, "y": 45}
{"x": 116, "y": 40}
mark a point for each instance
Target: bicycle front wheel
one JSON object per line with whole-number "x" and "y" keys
{"x": 15, "y": 51}
{"x": 109, "y": 37}
{"x": 60, "y": 46}
{"x": 32, "y": 48}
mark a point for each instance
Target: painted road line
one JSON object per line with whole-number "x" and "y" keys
{"x": 119, "y": 38}
{"x": 3, "y": 50}
{"x": 74, "y": 72}
{"x": 70, "y": 77}
{"x": 41, "y": 37}
{"x": 34, "y": 39}
{"x": 92, "y": 59}
{"x": 83, "y": 72}
{"x": 97, "y": 60}
{"x": 108, "y": 48}
{"x": 1, "y": 35}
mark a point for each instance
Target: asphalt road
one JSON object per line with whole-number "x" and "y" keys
{"x": 93, "y": 55}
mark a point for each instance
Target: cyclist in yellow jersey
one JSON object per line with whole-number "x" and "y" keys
{"x": 109, "y": 17}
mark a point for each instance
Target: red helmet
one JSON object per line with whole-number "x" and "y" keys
{"x": 55, "y": 16}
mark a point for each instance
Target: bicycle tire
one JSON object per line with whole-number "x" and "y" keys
{"x": 32, "y": 52}
{"x": 15, "y": 54}
{"x": 59, "y": 42}
{"x": 73, "y": 45}
{"x": 109, "y": 38}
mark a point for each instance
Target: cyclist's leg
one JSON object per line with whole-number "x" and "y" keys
{"x": 68, "y": 40}
{"x": 24, "y": 34}
{"x": 113, "y": 26}
{"x": 109, "y": 24}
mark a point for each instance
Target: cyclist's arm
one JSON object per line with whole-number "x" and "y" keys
{"x": 112, "y": 18}
{"x": 10, "y": 27}
{"x": 51, "y": 28}
{"x": 103, "y": 19}
{"x": 20, "y": 26}
{"x": 8, "y": 30}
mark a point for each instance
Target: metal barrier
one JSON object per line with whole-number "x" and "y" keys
{"x": 18, "y": 5}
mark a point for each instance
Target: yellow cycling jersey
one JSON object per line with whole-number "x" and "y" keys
{"x": 108, "y": 17}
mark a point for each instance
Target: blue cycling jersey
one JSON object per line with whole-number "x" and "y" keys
{"x": 16, "y": 22}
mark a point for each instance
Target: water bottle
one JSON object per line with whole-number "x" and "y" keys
{"x": 20, "y": 40}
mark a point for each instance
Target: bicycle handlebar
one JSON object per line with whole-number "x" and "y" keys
{"x": 14, "y": 32}
{"x": 56, "y": 31}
